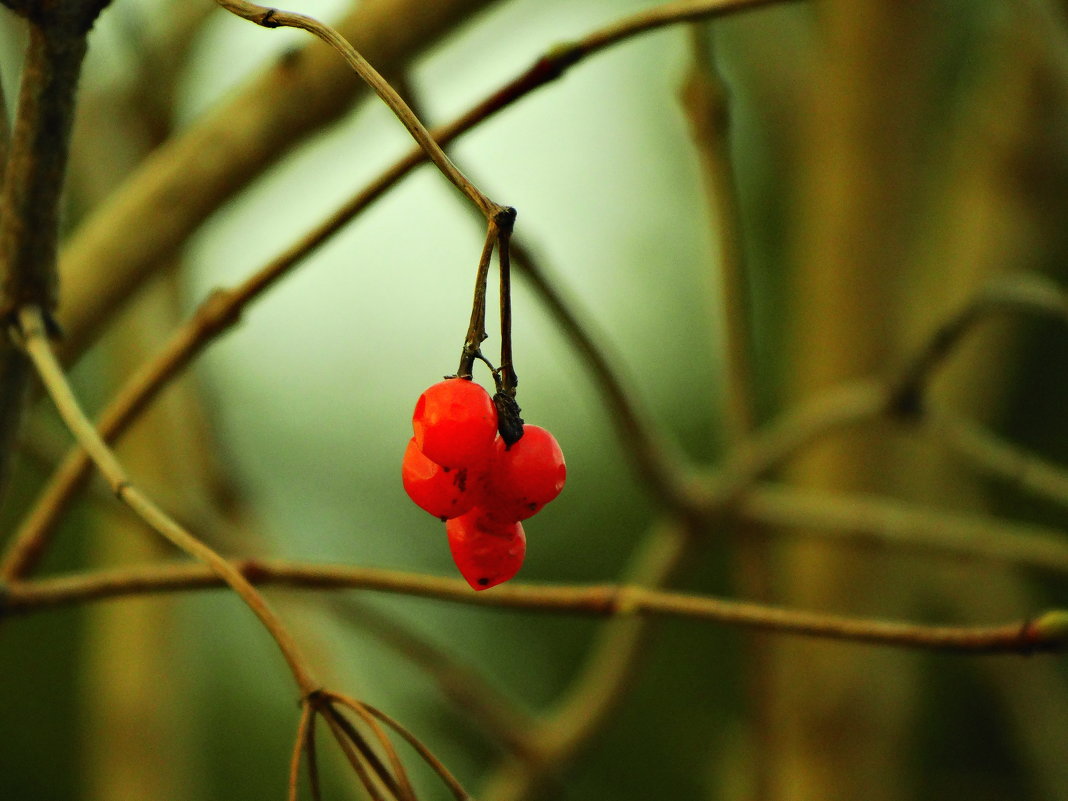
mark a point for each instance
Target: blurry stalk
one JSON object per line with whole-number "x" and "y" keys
{"x": 842, "y": 717}
{"x": 996, "y": 214}
{"x": 707, "y": 104}
{"x": 137, "y": 742}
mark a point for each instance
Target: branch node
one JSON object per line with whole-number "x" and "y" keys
{"x": 504, "y": 219}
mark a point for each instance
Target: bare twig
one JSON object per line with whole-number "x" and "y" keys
{"x": 428, "y": 757}
{"x": 706, "y": 102}
{"x": 504, "y": 720}
{"x": 890, "y": 524}
{"x": 988, "y": 453}
{"x": 1027, "y": 293}
{"x": 37, "y": 346}
{"x": 774, "y": 445}
{"x": 396, "y": 779}
{"x": 223, "y": 308}
{"x": 1046, "y": 631}
{"x": 184, "y": 181}
{"x": 300, "y": 746}
{"x": 258, "y": 126}
{"x": 276, "y": 18}
{"x": 476, "y": 329}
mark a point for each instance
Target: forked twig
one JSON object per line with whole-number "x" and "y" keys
{"x": 401, "y": 785}
{"x": 432, "y": 761}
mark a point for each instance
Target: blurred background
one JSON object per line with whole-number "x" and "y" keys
{"x": 888, "y": 159}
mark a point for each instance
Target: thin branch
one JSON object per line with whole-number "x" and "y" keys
{"x": 886, "y": 523}
{"x": 397, "y": 779}
{"x": 428, "y": 757}
{"x": 665, "y": 15}
{"x": 307, "y": 722}
{"x": 37, "y": 346}
{"x": 1047, "y": 631}
{"x": 774, "y": 445}
{"x": 476, "y": 329}
{"x": 224, "y": 307}
{"x": 504, "y": 720}
{"x": 988, "y": 453}
{"x": 187, "y": 179}
{"x": 506, "y": 369}
{"x": 276, "y": 18}
{"x": 351, "y": 744}
{"x": 706, "y": 103}
{"x": 313, "y": 761}
{"x": 142, "y": 225}
{"x": 1026, "y": 293}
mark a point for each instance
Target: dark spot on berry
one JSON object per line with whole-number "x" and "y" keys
{"x": 482, "y": 582}
{"x": 460, "y": 480}
{"x": 532, "y": 506}
{"x": 446, "y": 469}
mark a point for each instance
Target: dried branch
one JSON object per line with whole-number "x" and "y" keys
{"x": 886, "y": 523}
{"x": 35, "y": 342}
{"x": 306, "y": 724}
{"x": 774, "y": 445}
{"x": 277, "y": 18}
{"x": 427, "y": 756}
{"x": 1046, "y": 631}
{"x": 224, "y": 307}
{"x": 395, "y": 778}
{"x": 187, "y": 179}
{"x": 1026, "y": 293}
{"x": 175, "y": 190}
{"x": 505, "y": 722}
{"x": 706, "y": 103}
{"x": 988, "y": 453}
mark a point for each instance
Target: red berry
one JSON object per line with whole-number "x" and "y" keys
{"x": 445, "y": 492}
{"x": 527, "y": 475}
{"x": 455, "y": 423}
{"x": 487, "y": 549}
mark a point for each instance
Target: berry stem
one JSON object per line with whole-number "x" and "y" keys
{"x": 508, "y": 378}
{"x": 476, "y": 330}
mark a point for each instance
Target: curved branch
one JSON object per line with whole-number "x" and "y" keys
{"x": 187, "y": 179}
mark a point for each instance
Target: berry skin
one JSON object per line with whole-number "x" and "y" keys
{"x": 527, "y": 475}
{"x": 444, "y": 492}
{"x": 487, "y": 549}
{"x": 455, "y": 423}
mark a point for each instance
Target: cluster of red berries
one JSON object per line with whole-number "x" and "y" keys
{"x": 458, "y": 468}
